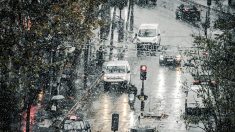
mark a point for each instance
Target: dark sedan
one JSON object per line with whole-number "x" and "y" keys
{"x": 188, "y": 12}
{"x": 170, "y": 56}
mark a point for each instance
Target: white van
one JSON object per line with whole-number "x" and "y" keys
{"x": 116, "y": 72}
{"x": 148, "y": 34}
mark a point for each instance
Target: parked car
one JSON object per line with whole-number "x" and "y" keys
{"x": 187, "y": 12}
{"x": 116, "y": 73}
{"x": 204, "y": 78}
{"x": 74, "y": 123}
{"x": 193, "y": 101}
{"x": 170, "y": 55}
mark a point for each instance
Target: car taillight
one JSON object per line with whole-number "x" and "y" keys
{"x": 186, "y": 9}
{"x": 205, "y": 53}
{"x": 213, "y": 83}
{"x": 196, "y": 82}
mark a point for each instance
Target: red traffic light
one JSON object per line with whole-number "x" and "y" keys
{"x": 143, "y": 68}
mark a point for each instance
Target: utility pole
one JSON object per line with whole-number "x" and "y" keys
{"x": 88, "y": 20}
{"x": 132, "y": 15}
{"x": 121, "y": 27}
{"x": 121, "y": 4}
{"x": 112, "y": 33}
{"x": 128, "y": 15}
{"x": 207, "y": 22}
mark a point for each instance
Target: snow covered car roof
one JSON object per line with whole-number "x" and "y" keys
{"x": 194, "y": 99}
{"x": 149, "y": 26}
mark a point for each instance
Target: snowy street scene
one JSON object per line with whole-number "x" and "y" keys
{"x": 117, "y": 66}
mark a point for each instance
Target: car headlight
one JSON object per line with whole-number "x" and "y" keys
{"x": 178, "y": 57}
{"x": 155, "y": 40}
{"x": 161, "y": 57}
{"x": 123, "y": 78}
{"x": 105, "y": 78}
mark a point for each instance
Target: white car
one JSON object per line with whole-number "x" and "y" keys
{"x": 116, "y": 72}
{"x": 148, "y": 39}
{"x": 194, "y": 101}
{"x": 149, "y": 33}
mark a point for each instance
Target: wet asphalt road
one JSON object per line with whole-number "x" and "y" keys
{"x": 163, "y": 84}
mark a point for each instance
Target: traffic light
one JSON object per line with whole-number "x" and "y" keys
{"x": 115, "y": 120}
{"x": 142, "y": 106}
{"x": 208, "y": 2}
{"x": 143, "y": 72}
{"x": 142, "y": 97}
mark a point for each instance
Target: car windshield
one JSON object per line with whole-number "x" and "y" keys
{"x": 116, "y": 69}
{"x": 147, "y": 33}
{"x": 190, "y": 7}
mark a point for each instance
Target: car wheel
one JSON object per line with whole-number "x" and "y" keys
{"x": 138, "y": 53}
{"x": 106, "y": 86}
{"x": 177, "y": 16}
{"x": 153, "y": 53}
{"x": 124, "y": 87}
{"x": 160, "y": 63}
{"x": 198, "y": 18}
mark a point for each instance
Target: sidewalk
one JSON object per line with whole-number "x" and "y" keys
{"x": 45, "y": 124}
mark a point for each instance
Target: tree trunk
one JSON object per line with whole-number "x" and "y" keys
{"x": 121, "y": 28}
{"x": 86, "y": 53}
{"x": 28, "y": 118}
{"x": 128, "y": 15}
{"x": 112, "y": 34}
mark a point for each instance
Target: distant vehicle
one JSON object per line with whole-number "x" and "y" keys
{"x": 194, "y": 101}
{"x": 188, "y": 12}
{"x": 148, "y": 38}
{"x": 216, "y": 33}
{"x": 116, "y": 73}
{"x": 231, "y": 2}
{"x": 145, "y": 2}
{"x": 204, "y": 77}
{"x": 170, "y": 56}
{"x": 143, "y": 129}
{"x": 74, "y": 123}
